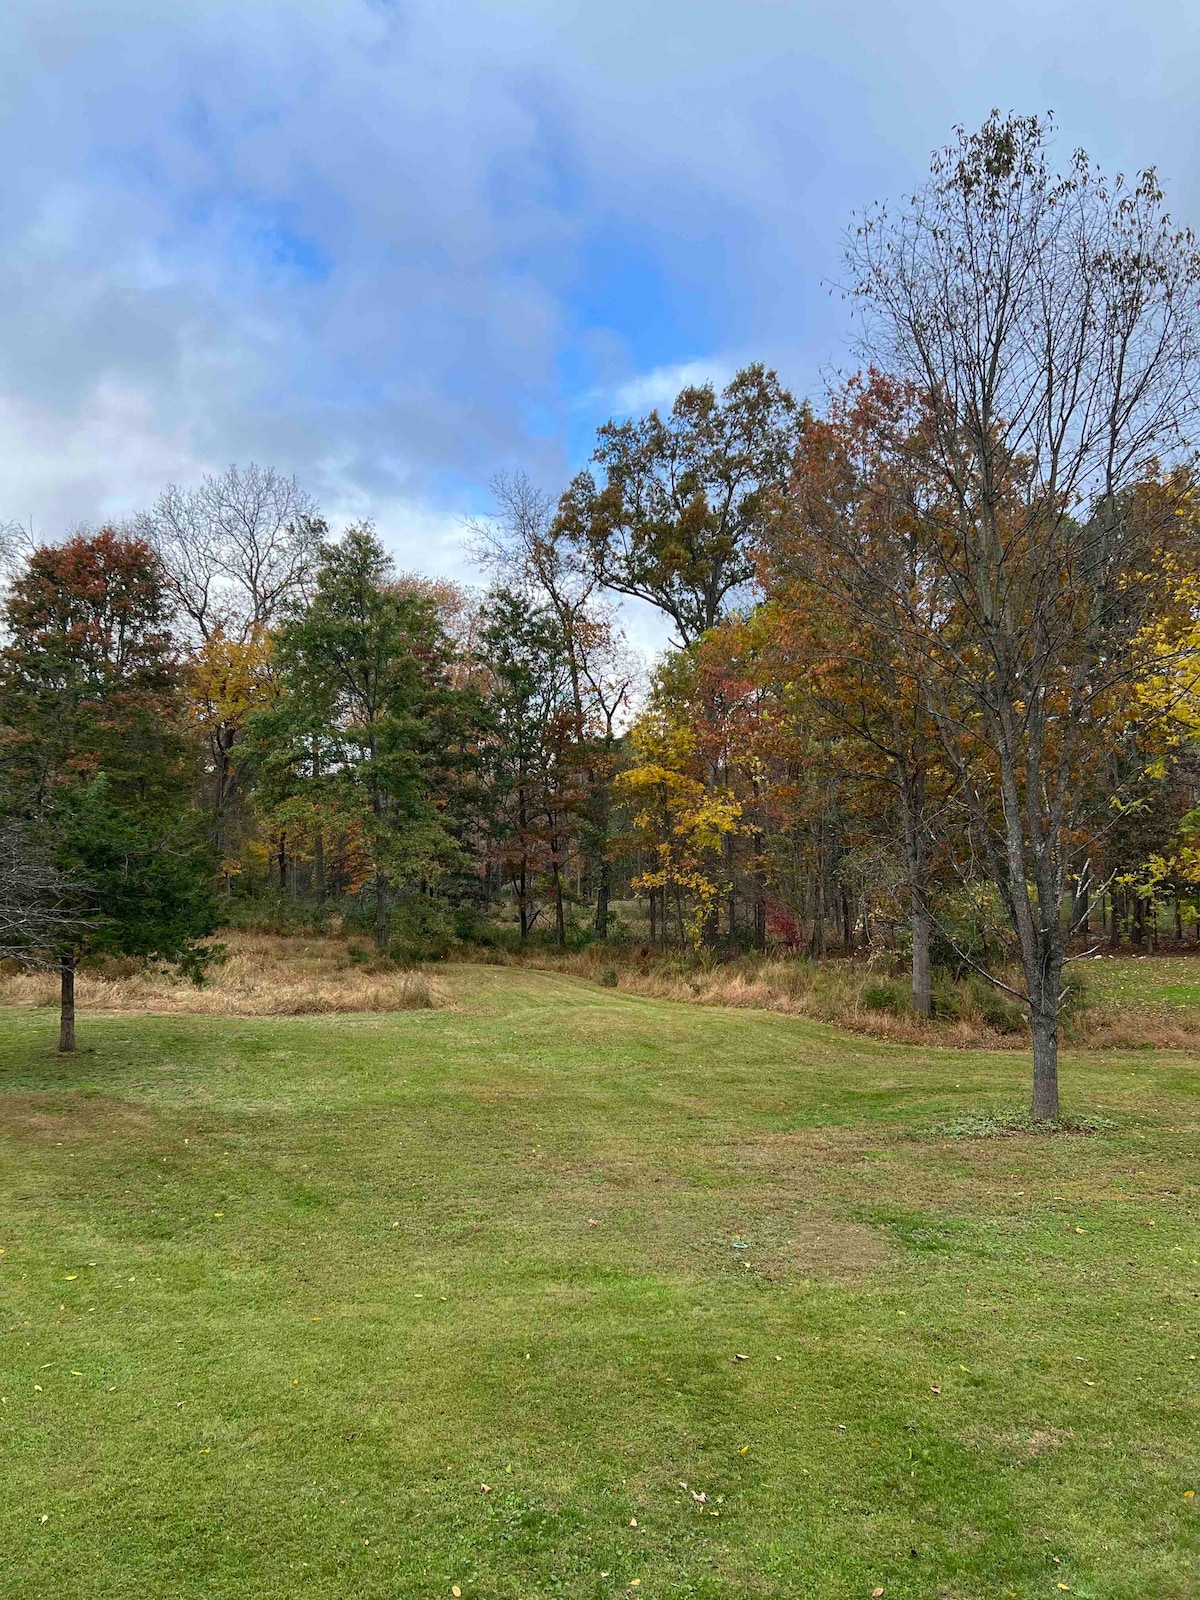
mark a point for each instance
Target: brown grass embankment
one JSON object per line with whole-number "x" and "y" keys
{"x": 261, "y": 975}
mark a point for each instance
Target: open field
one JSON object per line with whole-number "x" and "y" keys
{"x": 558, "y": 1290}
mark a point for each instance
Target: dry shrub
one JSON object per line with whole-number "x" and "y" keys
{"x": 262, "y": 975}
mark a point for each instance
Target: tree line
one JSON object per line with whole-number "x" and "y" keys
{"x": 932, "y": 684}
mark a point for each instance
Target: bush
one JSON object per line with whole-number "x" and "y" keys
{"x": 608, "y": 978}
{"x": 886, "y": 995}
{"x": 421, "y": 928}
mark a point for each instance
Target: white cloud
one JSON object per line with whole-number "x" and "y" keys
{"x": 657, "y": 389}
{"x": 370, "y": 241}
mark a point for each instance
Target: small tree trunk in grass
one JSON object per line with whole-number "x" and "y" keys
{"x": 653, "y": 910}
{"x": 1045, "y": 1064}
{"x": 922, "y": 973}
{"x": 66, "y": 1024}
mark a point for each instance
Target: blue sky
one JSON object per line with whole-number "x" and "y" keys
{"x": 395, "y": 247}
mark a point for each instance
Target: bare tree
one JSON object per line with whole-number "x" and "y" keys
{"x": 1046, "y": 325}
{"x": 527, "y": 545}
{"x": 236, "y": 549}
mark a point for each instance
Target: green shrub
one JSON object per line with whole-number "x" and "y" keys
{"x": 885, "y": 995}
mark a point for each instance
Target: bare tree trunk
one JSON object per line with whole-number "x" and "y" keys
{"x": 381, "y": 910}
{"x": 817, "y": 942}
{"x": 282, "y": 861}
{"x": 66, "y": 1023}
{"x": 603, "y": 892}
{"x": 1045, "y": 1062}
{"x": 319, "y": 873}
{"x": 560, "y": 921}
{"x": 922, "y": 972}
{"x": 760, "y": 897}
{"x": 653, "y": 911}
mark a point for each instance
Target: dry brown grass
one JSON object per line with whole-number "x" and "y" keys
{"x": 262, "y": 975}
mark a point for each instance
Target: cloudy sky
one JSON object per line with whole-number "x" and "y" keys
{"x": 396, "y": 245}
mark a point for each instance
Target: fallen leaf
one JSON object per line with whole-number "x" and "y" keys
{"x": 486, "y": 1487}
{"x": 934, "y": 1389}
{"x": 743, "y": 1450}
{"x": 455, "y": 1590}
{"x": 71, "y": 1276}
{"x": 38, "y": 1387}
{"x": 700, "y": 1499}
{"x": 633, "y": 1522}
{"x": 875, "y": 1593}
{"x": 1189, "y": 1494}
{"x": 1078, "y": 1230}
{"x": 739, "y": 1358}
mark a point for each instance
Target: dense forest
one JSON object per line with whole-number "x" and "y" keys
{"x": 931, "y": 693}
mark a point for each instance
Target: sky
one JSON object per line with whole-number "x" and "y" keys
{"x": 397, "y": 246}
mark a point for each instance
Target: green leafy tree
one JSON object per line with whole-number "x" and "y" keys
{"x": 534, "y": 763}
{"x": 96, "y": 765}
{"x": 682, "y": 498}
{"x": 367, "y": 718}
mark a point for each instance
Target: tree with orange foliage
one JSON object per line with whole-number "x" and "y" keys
{"x": 1044, "y": 333}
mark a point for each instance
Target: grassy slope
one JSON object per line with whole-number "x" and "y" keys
{"x": 290, "y": 1286}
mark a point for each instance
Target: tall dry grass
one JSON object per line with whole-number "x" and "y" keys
{"x": 262, "y": 975}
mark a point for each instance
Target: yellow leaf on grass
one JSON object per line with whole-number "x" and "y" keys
{"x": 1189, "y": 1494}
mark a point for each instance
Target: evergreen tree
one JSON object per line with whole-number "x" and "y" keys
{"x": 95, "y": 759}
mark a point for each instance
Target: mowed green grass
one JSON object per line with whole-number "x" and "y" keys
{"x": 1171, "y": 982}
{"x": 280, "y": 1297}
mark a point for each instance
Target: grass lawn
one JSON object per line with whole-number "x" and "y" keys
{"x": 701, "y": 1296}
{"x": 1162, "y": 981}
